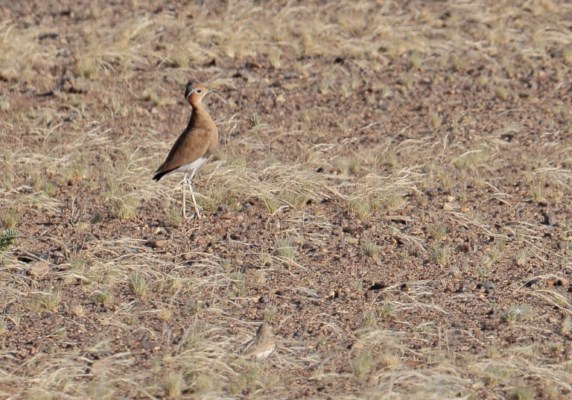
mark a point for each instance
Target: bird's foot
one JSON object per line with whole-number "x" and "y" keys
{"x": 197, "y": 210}
{"x": 196, "y": 214}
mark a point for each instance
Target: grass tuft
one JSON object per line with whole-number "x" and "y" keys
{"x": 284, "y": 247}
{"x": 102, "y": 297}
{"x": 416, "y": 120}
{"x": 440, "y": 255}
{"x": 371, "y": 250}
{"x": 516, "y": 313}
{"x": 138, "y": 285}
{"x": 45, "y": 301}
{"x": 7, "y": 238}
{"x": 174, "y": 385}
{"x": 360, "y": 207}
{"x": 362, "y": 364}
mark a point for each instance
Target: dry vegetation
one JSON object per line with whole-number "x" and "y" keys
{"x": 392, "y": 195}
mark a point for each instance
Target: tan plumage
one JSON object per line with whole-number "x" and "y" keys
{"x": 195, "y": 145}
{"x": 261, "y": 345}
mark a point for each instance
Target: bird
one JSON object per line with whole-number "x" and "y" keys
{"x": 261, "y": 345}
{"x": 197, "y": 143}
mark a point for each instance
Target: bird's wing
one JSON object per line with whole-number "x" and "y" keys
{"x": 190, "y": 146}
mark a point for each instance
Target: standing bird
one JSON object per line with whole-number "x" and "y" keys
{"x": 195, "y": 145}
{"x": 261, "y": 345}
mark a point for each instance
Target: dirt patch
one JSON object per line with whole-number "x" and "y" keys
{"x": 392, "y": 196}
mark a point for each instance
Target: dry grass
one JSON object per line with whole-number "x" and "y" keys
{"x": 345, "y": 223}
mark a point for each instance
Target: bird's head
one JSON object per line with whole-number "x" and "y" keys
{"x": 195, "y": 93}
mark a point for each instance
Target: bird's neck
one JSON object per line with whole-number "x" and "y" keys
{"x": 195, "y": 103}
{"x": 198, "y": 113}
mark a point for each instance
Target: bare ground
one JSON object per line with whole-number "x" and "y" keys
{"x": 392, "y": 195}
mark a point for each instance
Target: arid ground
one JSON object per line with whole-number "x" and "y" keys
{"x": 392, "y": 195}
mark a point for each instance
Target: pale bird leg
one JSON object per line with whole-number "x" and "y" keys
{"x": 184, "y": 198}
{"x": 195, "y": 205}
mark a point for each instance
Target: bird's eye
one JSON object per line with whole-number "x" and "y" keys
{"x": 199, "y": 91}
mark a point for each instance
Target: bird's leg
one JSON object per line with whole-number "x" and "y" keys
{"x": 190, "y": 180}
{"x": 184, "y": 198}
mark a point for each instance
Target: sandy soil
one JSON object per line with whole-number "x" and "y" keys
{"x": 392, "y": 196}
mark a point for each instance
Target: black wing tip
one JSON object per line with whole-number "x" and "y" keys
{"x": 158, "y": 176}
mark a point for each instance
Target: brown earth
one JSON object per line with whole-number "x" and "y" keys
{"x": 392, "y": 195}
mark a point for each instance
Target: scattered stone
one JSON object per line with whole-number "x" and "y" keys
{"x": 222, "y": 209}
{"x": 252, "y": 65}
{"x": 160, "y": 230}
{"x": 39, "y": 269}
{"x": 430, "y": 192}
{"x": 549, "y": 218}
{"x": 450, "y": 206}
{"x": 566, "y": 328}
{"x": 377, "y": 286}
{"x": 462, "y": 287}
{"x": 156, "y": 244}
{"x": 489, "y": 325}
{"x": 404, "y": 287}
{"x": 557, "y": 281}
{"x": 97, "y": 218}
{"x": 351, "y": 229}
{"x": 146, "y": 343}
{"x": 371, "y": 295}
{"x": 464, "y": 248}
{"x": 356, "y": 345}
{"x": 264, "y": 299}
{"x": 487, "y": 286}
{"x": 30, "y": 256}
{"x": 533, "y": 283}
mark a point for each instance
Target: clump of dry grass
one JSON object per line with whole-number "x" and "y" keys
{"x": 7, "y": 238}
{"x": 98, "y": 145}
{"x": 284, "y": 247}
{"x": 45, "y": 301}
{"x": 440, "y": 254}
{"x": 375, "y": 192}
{"x": 102, "y": 297}
{"x": 371, "y": 249}
{"x": 517, "y": 313}
{"x": 277, "y": 185}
